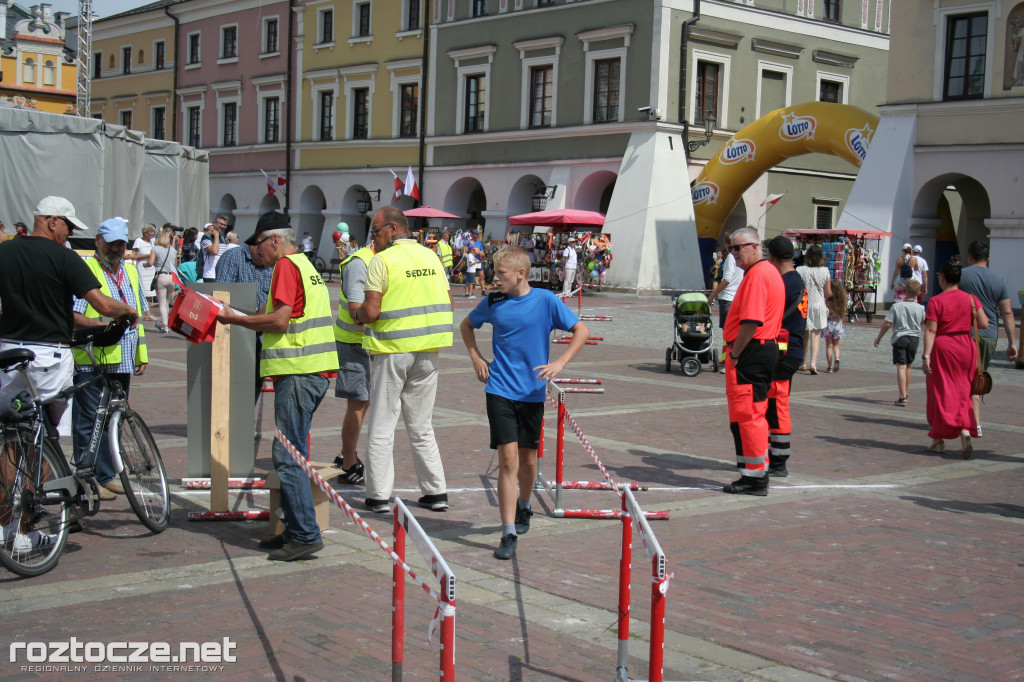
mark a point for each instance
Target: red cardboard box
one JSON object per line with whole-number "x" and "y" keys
{"x": 194, "y": 316}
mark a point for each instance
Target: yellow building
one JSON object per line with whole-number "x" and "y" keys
{"x": 36, "y": 70}
{"x": 362, "y": 66}
{"x": 132, "y": 65}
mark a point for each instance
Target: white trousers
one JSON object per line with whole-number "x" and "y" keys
{"x": 570, "y": 276}
{"x": 51, "y": 372}
{"x": 402, "y": 384}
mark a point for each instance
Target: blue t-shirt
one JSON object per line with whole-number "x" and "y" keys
{"x": 796, "y": 321}
{"x": 522, "y": 330}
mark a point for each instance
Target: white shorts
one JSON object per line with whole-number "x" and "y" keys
{"x": 51, "y": 372}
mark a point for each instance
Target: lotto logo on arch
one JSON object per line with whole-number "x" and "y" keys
{"x": 738, "y": 150}
{"x": 859, "y": 140}
{"x": 795, "y": 127}
{"x": 704, "y": 192}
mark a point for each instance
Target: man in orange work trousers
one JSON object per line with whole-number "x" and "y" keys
{"x": 750, "y": 333}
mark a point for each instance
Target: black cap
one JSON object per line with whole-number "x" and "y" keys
{"x": 268, "y": 221}
{"x": 781, "y": 247}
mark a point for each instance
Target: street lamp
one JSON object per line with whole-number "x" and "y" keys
{"x": 709, "y": 131}
{"x": 363, "y": 204}
{"x": 544, "y": 192}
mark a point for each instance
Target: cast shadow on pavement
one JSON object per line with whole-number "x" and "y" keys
{"x": 257, "y": 624}
{"x": 664, "y": 469}
{"x": 957, "y": 507}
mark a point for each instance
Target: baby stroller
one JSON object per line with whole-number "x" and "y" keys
{"x": 693, "y": 336}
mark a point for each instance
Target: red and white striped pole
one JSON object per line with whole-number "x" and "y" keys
{"x": 658, "y": 587}
{"x": 398, "y": 604}
{"x": 447, "y": 631}
{"x": 625, "y": 577}
{"x": 560, "y": 449}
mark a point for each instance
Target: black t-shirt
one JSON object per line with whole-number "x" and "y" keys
{"x": 796, "y": 321}
{"x": 38, "y": 278}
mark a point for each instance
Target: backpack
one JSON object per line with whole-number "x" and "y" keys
{"x": 906, "y": 272}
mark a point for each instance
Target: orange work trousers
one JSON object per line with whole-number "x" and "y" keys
{"x": 747, "y": 383}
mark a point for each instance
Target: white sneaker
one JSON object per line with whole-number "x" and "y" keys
{"x": 26, "y": 542}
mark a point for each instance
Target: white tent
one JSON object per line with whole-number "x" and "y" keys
{"x": 105, "y": 170}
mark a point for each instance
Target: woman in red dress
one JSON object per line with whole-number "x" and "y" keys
{"x": 950, "y": 360}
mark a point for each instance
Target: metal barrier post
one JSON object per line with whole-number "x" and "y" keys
{"x": 448, "y": 629}
{"x": 625, "y": 577}
{"x": 657, "y": 656}
{"x": 560, "y": 449}
{"x": 398, "y": 605}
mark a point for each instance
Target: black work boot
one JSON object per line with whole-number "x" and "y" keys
{"x": 747, "y": 485}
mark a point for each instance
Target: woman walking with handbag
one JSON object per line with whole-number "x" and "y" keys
{"x": 818, "y": 283}
{"x": 165, "y": 258}
{"x": 950, "y": 361}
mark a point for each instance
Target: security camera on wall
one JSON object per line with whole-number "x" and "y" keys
{"x": 651, "y": 111}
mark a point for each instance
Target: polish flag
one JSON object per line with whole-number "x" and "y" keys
{"x": 410, "y": 181}
{"x": 398, "y": 185}
{"x": 271, "y": 185}
{"x": 771, "y": 199}
{"x": 281, "y": 180}
{"x": 176, "y": 278}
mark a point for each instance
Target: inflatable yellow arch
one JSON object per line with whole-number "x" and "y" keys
{"x": 838, "y": 129}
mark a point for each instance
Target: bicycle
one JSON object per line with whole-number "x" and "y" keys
{"x": 42, "y": 496}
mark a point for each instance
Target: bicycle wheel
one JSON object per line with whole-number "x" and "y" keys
{"x": 142, "y": 475}
{"x": 32, "y": 536}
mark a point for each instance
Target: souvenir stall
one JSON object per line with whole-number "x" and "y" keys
{"x": 593, "y": 251}
{"x": 853, "y": 257}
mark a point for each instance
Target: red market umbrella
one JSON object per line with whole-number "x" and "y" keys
{"x": 561, "y": 217}
{"x": 870, "y": 234}
{"x": 429, "y": 212}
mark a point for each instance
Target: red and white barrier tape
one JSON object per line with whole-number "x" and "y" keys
{"x": 586, "y": 446}
{"x": 351, "y": 513}
{"x": 662, "y": 583}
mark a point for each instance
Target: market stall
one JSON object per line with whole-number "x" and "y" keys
{"x": 593, "y": 250}
{"x": 853, "y": 257}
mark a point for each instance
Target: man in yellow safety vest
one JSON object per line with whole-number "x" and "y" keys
{"x": 408, "y": 317}
{"x": 299, "y": 356}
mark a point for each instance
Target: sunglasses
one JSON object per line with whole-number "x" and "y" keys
{"x": 263, "y": 240}
{"x": 736, "y": 248}
{"x": 375, "y": 230}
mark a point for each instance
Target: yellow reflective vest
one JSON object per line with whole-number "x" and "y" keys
{"x": 345, "y": 329}
{"x": 307, "y": 345}
{"x": 111, "y": 355}
{"x": 416, "y": 310}
{"x": 444, "y": 252}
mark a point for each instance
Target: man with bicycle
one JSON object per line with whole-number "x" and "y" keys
{"x": 119, "y": 280}
{"x": 299, "y": 355}
{"x": 38, "y": 279}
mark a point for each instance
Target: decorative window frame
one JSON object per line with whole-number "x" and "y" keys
{"x": 724, "y": 61}
{"x": 232, "y": 92}
{"x": 320, "y": 42}
{"x": 528, "y": 64}
{"x": 152, "y": 121}
{"x": 188, "y": 50}
{"x": 622, "y": 32}
{"x": 763, "y": 66}
{"x": 472, "y": 53}
{"x": 838, "y": 78}
{"x": 355, "y": 38}
{"x": 942, "y": 16}
{"x": 221, "y": 59}
{"x": 395, "y": 88}
{"x": 263, "y": 36}
{"x": 163, "y": 42}
{"x": 267, "y": 87}
{"x": 363, "y": 76}
{"x": 315, "y": 91}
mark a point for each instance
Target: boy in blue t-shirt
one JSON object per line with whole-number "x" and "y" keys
{"x": 522, "y": 318}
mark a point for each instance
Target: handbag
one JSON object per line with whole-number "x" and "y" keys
{"x": 159, "y": 270}
{"x": 982, "y": 383}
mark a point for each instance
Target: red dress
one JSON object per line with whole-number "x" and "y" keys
{"x": 954, "y": 361}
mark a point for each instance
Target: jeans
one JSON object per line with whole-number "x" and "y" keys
{"x": 83, "y": 416}
{"x": 296, "y": 397}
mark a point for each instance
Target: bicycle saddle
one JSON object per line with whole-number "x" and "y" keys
{"x": 10, "y": 358}
{"x": 107, "y": 335}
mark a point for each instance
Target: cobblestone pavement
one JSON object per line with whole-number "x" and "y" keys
{"x": 874, "y": 560}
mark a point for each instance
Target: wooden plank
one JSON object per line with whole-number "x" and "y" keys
{"x": 220, "y": 386}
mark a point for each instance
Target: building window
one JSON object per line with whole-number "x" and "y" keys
{"x": 160, "y": 60}
{"x": 326, "y": 115}
{"x": 159, "y": 123}
{"x": 326, "y": 26}
{"x": 830, "y": 91}
{"x": 230, "y": 123}
{"x": 193, "y": 48}
{"x": 228, "y": 42}
{"x": 126, "y": 60}
{"x": 194, "y": 127}
{"x": 412, "y": 17}
{"x": 708, "y": 78}
{"x": 360, "y": 113}
{"x": 479, "y": 8}
{"x": 363, "y": 20}
{"x": 97, "y": 64}
{"x": 271, "y": 119}
{"x": 541, "y": 85}
{"x": 270, "y": 35}
{"x": 606, "y": 90}
{"x": 966, "y": 45}
{"x": 126, "y": 119}
{"x": 473, "y": 116}
{"x": 28, "y": 72}
{"x": 410, "y": 110}
{"x": 831, "y": 11}
{"x": 49, "y": 73}
{"x": 823, "y": 216}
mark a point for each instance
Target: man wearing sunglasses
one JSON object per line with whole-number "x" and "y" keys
{"x": 753, "y": 324}
{"x": 39, "y": 276}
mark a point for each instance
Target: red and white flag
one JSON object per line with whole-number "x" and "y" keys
{"x": 771, "y": 199}
{"x": 281, "y": 180}
{"x": 410, "y": 182}
{"x": 271, "y": 185}
{"x": 398, "y": 185}
{"x": 176, "y": 278}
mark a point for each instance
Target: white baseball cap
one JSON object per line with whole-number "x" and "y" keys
{"x": 918, "y": 249}
{"x": 60, "y": 207}
{"x": 906, "y": 247}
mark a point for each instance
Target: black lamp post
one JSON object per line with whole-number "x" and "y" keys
{"x": 363, "y": 205}
{"x": 709, "y": 131}
{"x": 544, "y": 192}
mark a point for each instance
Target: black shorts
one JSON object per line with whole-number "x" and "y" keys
{"x": 514, "y": 421}
{"x": 904, "y": 350}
